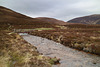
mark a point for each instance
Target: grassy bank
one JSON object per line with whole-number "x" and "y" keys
{"x": 82, "y": 37}
{"x": 15, "y": 52}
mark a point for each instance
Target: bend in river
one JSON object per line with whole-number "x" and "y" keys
{"x": 69, "y": 57}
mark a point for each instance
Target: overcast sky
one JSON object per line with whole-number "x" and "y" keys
{"x": 59, "y": 9}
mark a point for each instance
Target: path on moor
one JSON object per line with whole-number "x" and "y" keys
{"x": 69, "y": 57}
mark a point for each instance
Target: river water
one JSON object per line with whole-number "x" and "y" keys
{"x": 69, "y": 57}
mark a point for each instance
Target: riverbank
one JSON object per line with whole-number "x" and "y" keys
{"x": 69, "y": 57}
{"x": 16, "y": 52}
{"x": 84, "y": 39}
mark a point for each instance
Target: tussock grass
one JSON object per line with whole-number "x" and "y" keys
{"x": 79, "y": 36}
{"x": 15, "y": 52}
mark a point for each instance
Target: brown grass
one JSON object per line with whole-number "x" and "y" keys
{"x": 15, "y": 52}
{"x": 82, "y": 38}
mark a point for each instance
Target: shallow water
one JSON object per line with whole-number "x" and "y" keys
{"x": 69, "y": 57}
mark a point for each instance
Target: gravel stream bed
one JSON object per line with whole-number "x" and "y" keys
{"x": 69, "y": 57}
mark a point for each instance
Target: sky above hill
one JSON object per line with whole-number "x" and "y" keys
{"x": 59, "y": 9}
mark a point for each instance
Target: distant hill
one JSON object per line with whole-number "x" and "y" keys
{"x": 52, "y": 20}
{"x": 14, "y": 19}
{"x": 91, "y": 19}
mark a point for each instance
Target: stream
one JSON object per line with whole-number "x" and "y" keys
{"x": 69, "y": 57}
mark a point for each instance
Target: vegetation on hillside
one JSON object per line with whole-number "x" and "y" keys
{"x": 11, "y": 19}
{"x": 52, "y": 20}
{"x": 91, "y": 19}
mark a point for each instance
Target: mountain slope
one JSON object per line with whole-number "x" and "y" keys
{"x": 52, "y": 20}
{"x": 92, "y": 19}
{"x": 9, "y": 18}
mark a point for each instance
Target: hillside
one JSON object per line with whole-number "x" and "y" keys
{"x": 12, "y": 19}
{"x": 52, "y": 20}
{"x": 91, "y": 19}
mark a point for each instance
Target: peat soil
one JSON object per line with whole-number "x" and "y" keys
{"x": 68, "y": 57}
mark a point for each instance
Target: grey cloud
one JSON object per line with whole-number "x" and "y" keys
{"x": 60, "y": 9}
